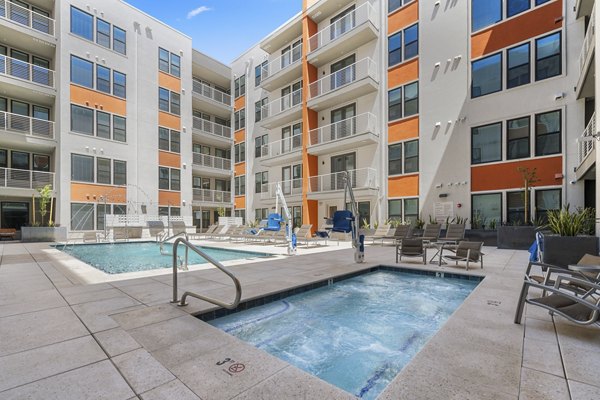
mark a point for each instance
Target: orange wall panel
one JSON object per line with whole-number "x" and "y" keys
{"x": 167, "y": 159}
{"x": 89, "y": 192}
{"x": 169, "y": 82}
{"x": 169, "y": 120}
{"x": 240, "y": 202}
{"x": 530, "y": 24}
{"x": 166, "y": 198}
{"x": 405, "y": 129}
{"x": 401, "y": 186}
{"x": 239, "y": 136}
{"x": 403, "y": 17}
{"x": 403, "y": 73}
{"x": 239, "y": 169}
{"x": 506, "y": 176}
{"x": 101, "y": 101}
{"x": 239, "y": 103}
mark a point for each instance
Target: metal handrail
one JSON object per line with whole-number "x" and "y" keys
{"x": 206, "y": 160}
{"x": 26, "y": 17}
{"x": 26, "y": 71}
{"x": 282, "y": 62}
{"x": 188, "y": 245}
{"x": 211, "y": 93}
{"x": 211, "y": 127}
{"x": 587, "y": 145}
{"x": 281, "y": 104}
{"x": 26, "y": 125}
{"x": 365, "y": 68}
{"x": 588, "y": 42}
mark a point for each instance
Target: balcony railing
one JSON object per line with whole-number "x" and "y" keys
{"x": 282, "y": 62}
{"x": 212, "y": 196}
{"x": 289, "y": 188}
{"x": 588, "y": 42}
{"x": 365, "y": 178}
{"x": 211, "y": 93}
{"x": 352, "y": 126}
{"x": 21, "y": 15}
{"x": 281, "y": 147}
{"x": 342, "y": 26}
{"x": 209, "y": 161}
{"x": 25, "y": 179}
{"x": 26, "y": 125}
{"x": 211, "y": 127}
{"x": 352, "y": 73}
{"x": 282, "y": 104}
{"x": 26, "y": 71}
{"x": 587, "y": 145}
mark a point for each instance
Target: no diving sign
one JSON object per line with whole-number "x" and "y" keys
{"x": 231, "y": 367}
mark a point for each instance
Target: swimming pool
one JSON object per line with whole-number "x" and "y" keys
{"x": 117, "y": 258}
{"x": 356, "y": 334}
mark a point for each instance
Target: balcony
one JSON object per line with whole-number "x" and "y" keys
{"x": 285, "y": 68}
{"x": 25, "y": 179}
{"x": 282, "y": 151}
{"x": 21, "y": 79}
{"x": 292, "y": 190}
{"x": 211, "y": 165}
{"x": 211, "y": 133}
{"x": 587, "y": 149}
{"x": 24, "y": 20}
{"x": 282, "y": 111}
{"x": 26, "y": 128}
{"x": 211, "y": 100}
{"x": 344, "y": 85}
{"x": 344, "y": 35}
{"x": 343, "y": 135}
{"x": 586, "y": 82}
{"x": 211, "y": 198}
{"x": 329, "y": 186}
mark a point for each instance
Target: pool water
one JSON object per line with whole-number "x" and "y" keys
{"x": 356, "y": 334}
{"x": 117, "y": 258}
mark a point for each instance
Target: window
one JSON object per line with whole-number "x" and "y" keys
{"x": 515, "y": 205}
{"x": 239, "y": 86}
{"x": 395, "y": 159}
{"x": 82, "y": 217}
{"x": 395, "y": 4}
{"x": 407, "y": 151}
{"x": 395, "y": 104}
{"x": 297, "y": 215}
{"x": 169, "y": 140}
{"x": 514, "y": 7}
{"x": 261, "y": 178}
{"x": 119, "y": 128}
{"x": 486, "y": 143}
{"x": 163, "y": 99}
{"x": 82, "y": 24}
{"x": 82, "y": 120}
{"x": 548, "y": 133}
{"x": 169, "y": 101}
{"x": 19, "y": 160}
{"x": 261, "y": 214}
{"x": 239, "y": 184}
{"x": 485, "y": 13}
{"x": 240, "y": 119}
{"x": 240, "y": 152}
{"x": 175, "y": 179}
{"x": 395, "y": 49}
{"x": 82, "y": 168}
{"x": 169, "y": 62}
{"x": 119, "y": 40}
{"x": 102, "y": 33}
{"x": 517, "y": 138}
{"x": 411, "y": 42}
{"x": 163, "y": 178}
{"x": 410, "y": 207}
{"x": 546, "y": 200}
{"x": 175, "y": 142}
{"x": 259, "y": 142}
{"x": 120, "y": 172}
{"x": 518, "y": 66}
{"x": 486, "y": 208}
{"x": 486, "y": 75}
{"x": 411, "y": 99}
{"x": 3, "y": 158}
{"x": 119, "y": 85}
{"x": 103, "y": 174}
{"x": 548, "y": 57}
{"x": 41, "y": 162}
{"x": 400, "y": 106}
{"x": 258, "y": 72}
{"x": 82, "y": 72}
{"x": 175, "y": 103}
{"x": 395, "y": 210}
{"x": 102, "y": 79}
{"x": 411, "y": 156}
{"x": 258, "y": 109}
{"x": 103, "y": 125}
{"x": 411, "y": 210}
{"x": 175, "y": 65}
{"x": 163, "y": 60}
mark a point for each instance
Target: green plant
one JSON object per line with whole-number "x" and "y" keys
{"x": 563, "y": 222}
{"x": 420, "y": 223}
{"x": 365, "y": 224}
{"x": 376, "y": 224}
{"x": 493, "y": 224}
{"x": 458, "y": 220}
{"x": 477, "y": 222}
{"x": 221, "y": 211}
{"x": 45, "y": 199}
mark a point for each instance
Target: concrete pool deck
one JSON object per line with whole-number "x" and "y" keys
{"x": 61, "y": 339}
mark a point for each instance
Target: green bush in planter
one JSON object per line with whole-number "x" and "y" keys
{"x": 563, "y": 222}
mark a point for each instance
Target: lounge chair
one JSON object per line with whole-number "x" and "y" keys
{"x": 411, "y": 248}
{"x": 224, "y": 233}
{"x": 156, "y": 228}
{"x": 400, "y": 233}
{"x": 90, "y": 236}
{"x": 178, "y": 227}
{"x": 454, "y": 234}
{"x": 547, "y": 278}
{"x": 431, "y": 233}
{"x": 238, "y": 233}
{"x": 467, "y": 252}
{"x": 8, "y": 233}
{"x": 380, "y": 233}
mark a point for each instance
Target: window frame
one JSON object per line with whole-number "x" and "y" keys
{"x": 501, "y": 69}
{"x": 560, "y": 132}
{"x": 501, "y": 123}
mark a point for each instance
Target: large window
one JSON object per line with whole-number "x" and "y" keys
{"x": 403, "y": 101}
{"x": 103, "y": 170}
{"x": 486, "y": 75}
{"x": 239, "y": 119}
{"x": 403, "y": 210}
{"x": 240, "y": 152}
{"x": 82, "y": 24}
{"x": 486, "y": 208}
{"x": 518, "y": 138}
{"x": 82, "y": 120}
{"x": 486, "y": 143}
{"x": 169, "y": 101}
{"x": 82, "y": 217}
{"x": 546, "y": 200}
{"x": 403, "y": 158}
{"x": 169, "y": 178}
{"x": 169, "y": 62}
{"x": 515, "y": 208}
{"x": 82, "y": 72}
{"x": 239, "y": 86}
{"x": 548, "y": 133}
{"x": 411, "y": 42}
{"x": 518, "y": 66}
{"x": 399, "y": 49}
{"x": 169, "y": 140}
{"x": 514, "y": 7}
{"x": 485, "y": 13}
{"x": 82, "y": 168}
{"x": 548, "y": 56}
{"x": 119, "y": 172}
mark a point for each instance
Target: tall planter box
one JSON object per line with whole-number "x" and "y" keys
{"x": 516, "y": 237}
{"x": 489, "y": 237}
{"x": 565, "y": 250}
{"x": 43, "y": 234}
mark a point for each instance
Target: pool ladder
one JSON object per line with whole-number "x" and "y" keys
{"x": 182, "y": 302}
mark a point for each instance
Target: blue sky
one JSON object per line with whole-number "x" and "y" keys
{"x": 223, "y": 29}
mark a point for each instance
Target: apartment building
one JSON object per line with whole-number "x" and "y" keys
{"x": 112, "y": 108}
{"x": 434, "y": 108}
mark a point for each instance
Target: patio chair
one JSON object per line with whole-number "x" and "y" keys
{"x": 467, "y": 252}
{"x": 546, "y": 277}
{"x": 431, "y": 233}
{"x": 199, "y": 235}
{"x": 178, "y": 227}
{"x": 400, "y": 233}
{"x": 380, "y": 233}
{"x": 454, "y": 233}
{"x": 156, "y": 228}
{"x": 411, "y": 248}
{"x": 224, "y": 233}
{"x": 238, "y": 233}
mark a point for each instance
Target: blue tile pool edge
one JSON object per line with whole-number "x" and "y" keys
{"x": 260, "y": 301}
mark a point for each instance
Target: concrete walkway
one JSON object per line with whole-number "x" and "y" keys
{"x": 60, "y": 339}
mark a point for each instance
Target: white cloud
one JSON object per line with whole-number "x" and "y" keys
{"x": 197, "y": 11}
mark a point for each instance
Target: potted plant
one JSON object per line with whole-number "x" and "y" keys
{"x": 570, "y": 236}
{"x": 43, "y": 231}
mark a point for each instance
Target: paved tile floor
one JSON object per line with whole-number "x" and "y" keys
{"x": 61, "y": 339}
